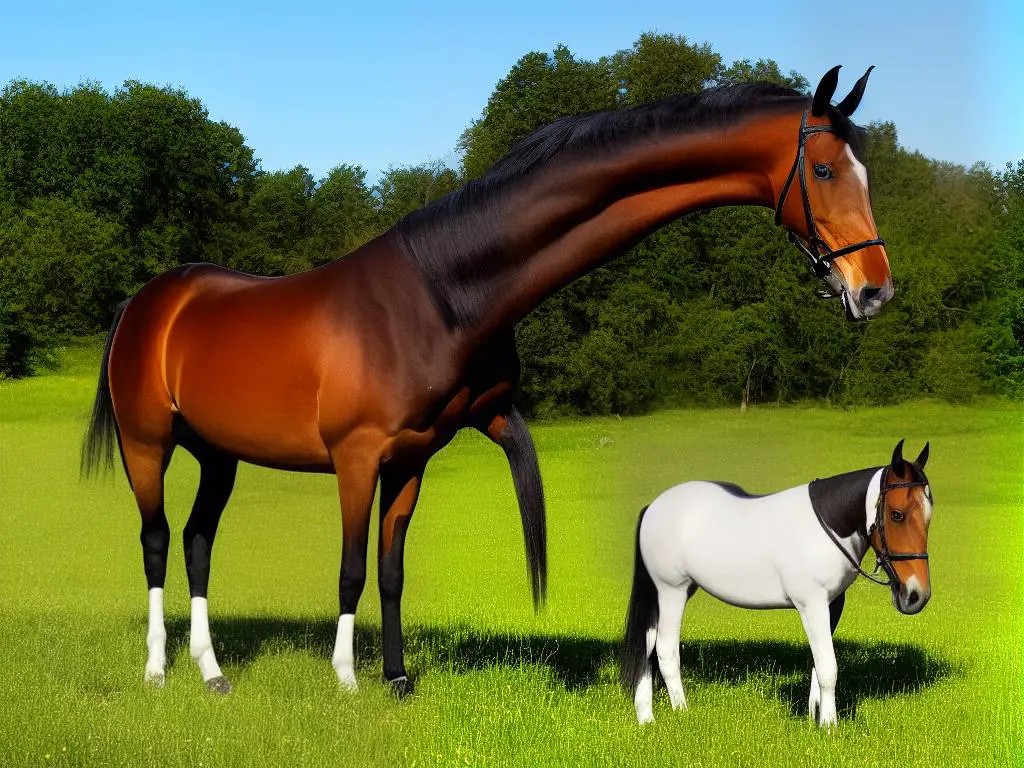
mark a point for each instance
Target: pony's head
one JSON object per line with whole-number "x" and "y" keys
{"x": 825, "y": 205}
{"x": 900, "y": 533}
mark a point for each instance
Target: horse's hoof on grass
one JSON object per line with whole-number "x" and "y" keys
{"x": 218, "y": 685}
{"x": 155, "y": 679}
{"x": 400, "y": 686}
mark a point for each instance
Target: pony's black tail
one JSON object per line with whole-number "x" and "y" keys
{"x": 641, "y": 616}
{"x": 515, "y": 440}
{"x": 98, "y": 447}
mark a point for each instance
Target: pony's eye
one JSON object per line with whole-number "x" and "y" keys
{"x": 896, "y": 516}
{"x": 822, "y": 172}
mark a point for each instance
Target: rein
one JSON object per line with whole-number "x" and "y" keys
{"x": 814, "y": 248}
{"x": 883, "y": 558}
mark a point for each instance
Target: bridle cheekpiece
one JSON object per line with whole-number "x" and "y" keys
{"x": 817, "y": 251}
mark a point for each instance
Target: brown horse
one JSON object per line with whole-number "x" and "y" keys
{"x": 368, "y": 366}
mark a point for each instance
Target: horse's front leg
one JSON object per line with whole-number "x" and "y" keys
{"x": 814, "y": 613}
{"x": 356, "y": 467}
{"x": 399, "y": 488}
{"x": 835, "y": 611}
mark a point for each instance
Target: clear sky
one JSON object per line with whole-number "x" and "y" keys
{"x": 394, "y": 83}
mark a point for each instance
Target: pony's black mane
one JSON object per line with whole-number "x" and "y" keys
{"x": 456, "y": 240}
{"x": 840, "y": 499}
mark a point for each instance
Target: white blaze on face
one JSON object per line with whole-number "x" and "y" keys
{"x": 858, "y": 167}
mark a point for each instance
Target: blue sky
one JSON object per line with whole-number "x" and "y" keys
{"x": 394, "y": 83}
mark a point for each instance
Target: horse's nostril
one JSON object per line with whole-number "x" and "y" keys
{"x": 867, "y": 294}
{"x": 912, "y": 598}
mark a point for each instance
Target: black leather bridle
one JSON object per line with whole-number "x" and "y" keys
{"x": 883, "y": 557}
{"x": 814, "y": 248}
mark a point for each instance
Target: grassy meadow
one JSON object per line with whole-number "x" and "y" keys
{"x": 496, "y": 684}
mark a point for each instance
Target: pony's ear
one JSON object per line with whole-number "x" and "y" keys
{"x": 897, "y": 458}
{"x": 923, "y": 458}
{"x": 823, "y": 94}
{"x": 849, "y": 105}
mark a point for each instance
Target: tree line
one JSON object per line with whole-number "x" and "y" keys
{"x": 100, "y": 192}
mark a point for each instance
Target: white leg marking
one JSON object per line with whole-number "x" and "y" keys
{"x": 815, "y": 617}
{"x": 671, "y": 603}
{"x": 643, "y": 699}
{"x": 200, "y": 643}
{"x": 814, "y": 699}
{"x": 343, "y": 659}
{"x": 156, "y": 638}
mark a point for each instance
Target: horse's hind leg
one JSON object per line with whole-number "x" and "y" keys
{"x": 145, "y": 464}
{"x": 671, "y": 604}
{"x": 216, "y": 480}
{"x": 835, "y": 611}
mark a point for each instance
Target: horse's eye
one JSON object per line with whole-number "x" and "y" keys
{"x": 896, "y": 516}
{"x": 822, "y": 172}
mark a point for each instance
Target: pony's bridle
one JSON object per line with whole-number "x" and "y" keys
{"x": 883, "y": 557}
{"x": 815, "y": 249}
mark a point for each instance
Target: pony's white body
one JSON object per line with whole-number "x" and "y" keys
{"x": 752, "y": 552}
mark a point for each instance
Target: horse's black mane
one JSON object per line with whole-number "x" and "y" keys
{"x": 456, "y": 239}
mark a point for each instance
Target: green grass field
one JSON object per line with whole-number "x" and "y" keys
{"x": 497, "y": 685}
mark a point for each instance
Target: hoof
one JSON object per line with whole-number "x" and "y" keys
{"x": 155, "y": 679}
{"x": 348, "y": 684}
{"x": 400, "y": 686}
{"x": 218, "y": 685}
{"x": 643, "y": 718}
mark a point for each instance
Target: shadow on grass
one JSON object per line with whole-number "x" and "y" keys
{"x": 866, "y": 670}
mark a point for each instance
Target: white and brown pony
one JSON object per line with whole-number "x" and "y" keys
{"x": 799, "y": 548}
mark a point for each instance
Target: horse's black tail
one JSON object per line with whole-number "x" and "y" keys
{"x": 515, "y": 440}
{"x": 98, "y": 447}
{"x": 641, "y": 617}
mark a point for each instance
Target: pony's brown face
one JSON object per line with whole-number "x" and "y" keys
{"x": 837, "y": 189}
{"x": 907, "y": 513}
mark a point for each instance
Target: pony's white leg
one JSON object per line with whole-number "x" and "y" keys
{"x": 201, "y": 647}
{"x": 814, "y": 699}
{"x": 156, "y": 638}
{"x": 815, "y": 617}
{"x": 671, "y": 602}
{"x": 343, "y": 658}
{"x": 643, "y": 699}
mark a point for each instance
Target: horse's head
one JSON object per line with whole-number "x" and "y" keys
{"x": 825, "y": 205}
{"x": 900, "y": 532}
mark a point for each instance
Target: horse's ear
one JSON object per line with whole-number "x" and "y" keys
{"x": 849, "y": 105}
{"x": 923, "y": 458}
{"x": 897, "y": 458}
{"x": 823, "y": 94}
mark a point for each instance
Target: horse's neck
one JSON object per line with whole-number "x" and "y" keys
{"x": 574, "y": 216}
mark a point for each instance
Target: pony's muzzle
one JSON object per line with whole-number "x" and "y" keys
{"x": 911, "y": 597}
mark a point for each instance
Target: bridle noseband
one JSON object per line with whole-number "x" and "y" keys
{"x": 883, "y": 557}
{"x": 815, "y": 249}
